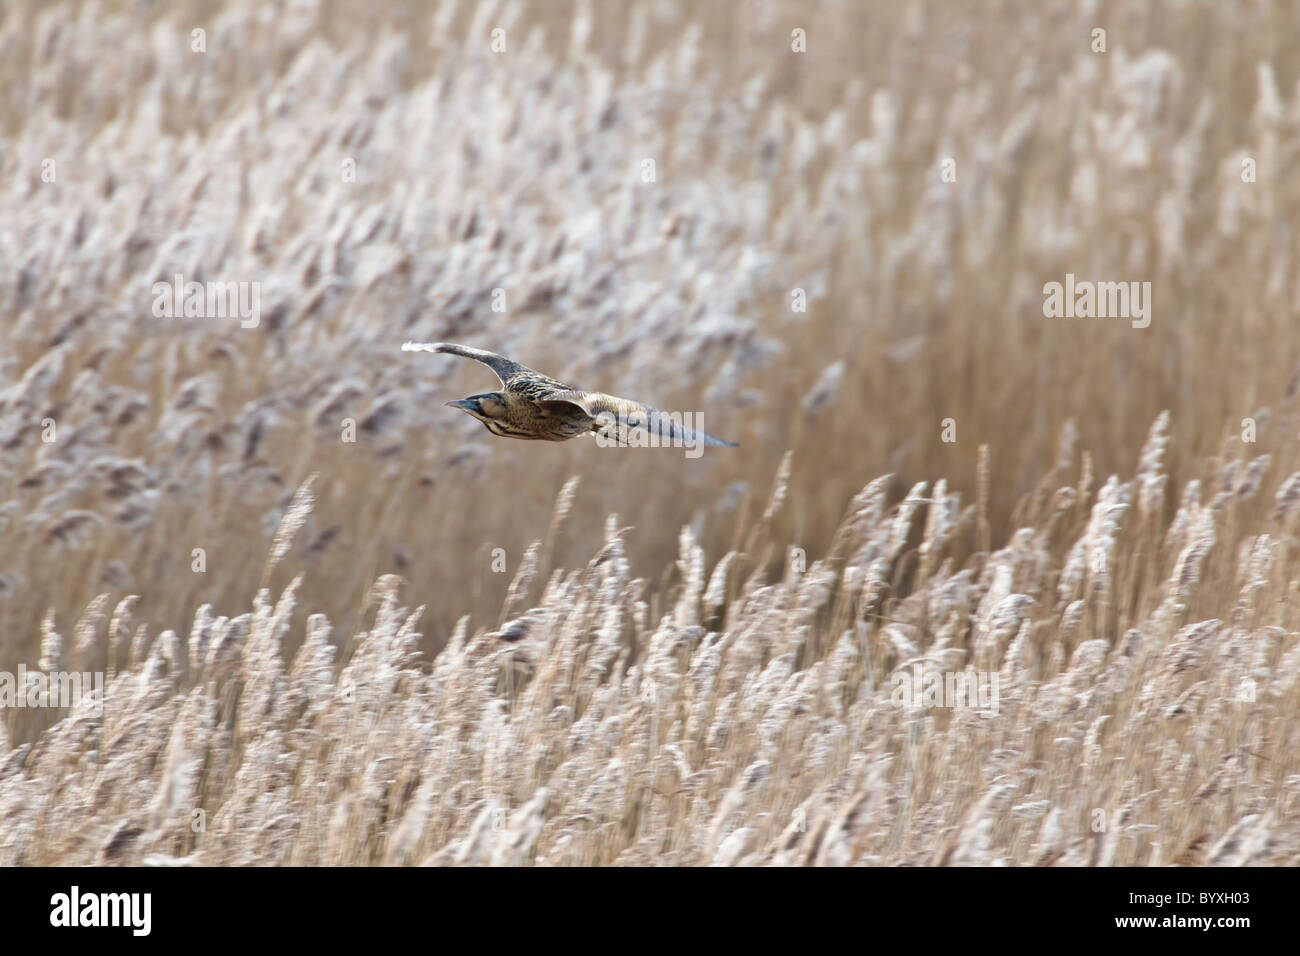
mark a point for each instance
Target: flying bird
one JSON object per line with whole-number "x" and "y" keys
{"x": 532, "y": 406}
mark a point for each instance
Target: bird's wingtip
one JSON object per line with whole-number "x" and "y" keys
{"x": 423, "y": 346}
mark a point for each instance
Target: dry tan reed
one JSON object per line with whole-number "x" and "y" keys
{"x": 445, "y": 649}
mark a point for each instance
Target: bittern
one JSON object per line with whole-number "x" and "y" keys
{"x": 534, "y": 407}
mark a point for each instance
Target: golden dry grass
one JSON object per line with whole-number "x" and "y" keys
{"x": 660, "y": 676}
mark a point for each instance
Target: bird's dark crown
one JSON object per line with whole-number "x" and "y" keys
{"x": 484, "y": 406}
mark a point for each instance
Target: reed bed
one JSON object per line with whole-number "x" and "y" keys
{"x": 428, "y": 646}
{"x": 755, "y": 720}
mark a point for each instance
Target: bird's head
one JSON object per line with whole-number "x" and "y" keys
{"x": 488, "y": 407}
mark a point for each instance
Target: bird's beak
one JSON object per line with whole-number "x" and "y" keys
{"x": 460, "y": 403}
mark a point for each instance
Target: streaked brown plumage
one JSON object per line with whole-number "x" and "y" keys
{"x": 532, "y": 406}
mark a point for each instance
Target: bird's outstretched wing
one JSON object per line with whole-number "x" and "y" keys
{"x": 514, "y": 377}
{"x": 504, "y": 367}
{"x": 617, "y": 418}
